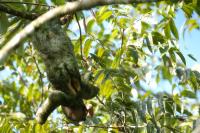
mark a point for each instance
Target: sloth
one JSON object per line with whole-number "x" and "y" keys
{"x": 69, "y": 90}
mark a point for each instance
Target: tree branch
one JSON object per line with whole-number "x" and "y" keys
{"x": 116, "y": 127}
{"x": 80, "y": 34}
{"x": 11, "y": 11}
{"x": 58, "y": 11}
{"x": 27, "y": 3}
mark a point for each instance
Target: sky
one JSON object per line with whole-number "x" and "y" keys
{"x": 191, "y": 43}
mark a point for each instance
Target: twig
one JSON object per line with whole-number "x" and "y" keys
{"x": 40, "y": 76}
{"x": 80, "y": 34}
{"x": 27, "y": 3}
{"x": 171, "y": 128}
{"x": 40, "y": 73}
{"x": 84, "y": 24}
{"x": 124, "y": 110}
{"x": 11, "y": 11}
{"x": 115, "y": 127}
{"x": 122, "y": 34}
{"x": 93, "y": 13}
{"x": 21, "y": 77}
{"x": 100, "y": 101}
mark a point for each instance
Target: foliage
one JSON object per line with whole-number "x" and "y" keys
{"x": 124, "y": 50}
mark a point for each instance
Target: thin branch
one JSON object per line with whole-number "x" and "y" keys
{"x": 21, "y": 78}
{"x": 24, "y": 15}
{"x": 172, "y": 129}
{"x": 40, "y": 76}
{"x": 39, "y": 71}
{"x": 84, "y": 24}
{"x": 27, "y": 3}
{"x": 70, "y": 7}
{"x": 100, "y": 101}
{"x": 122, "y": 34}
{"x": 80, "y": 32}
{"x": 115, "y": 127}
{"x": 93, "y": 14}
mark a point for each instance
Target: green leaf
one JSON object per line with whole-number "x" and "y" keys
{"x": 141, "y": 109}
{"x": 148, "y": 44}
{"x": 174, "y": 29}
{"x": 169, "y": 106}
{"x": 149, "y": 107}
{"x": 13, "y": 30}
{"x": 90, "y": 25}
{"x": 145, "y": 26}
{"x": 58, "y": 2}
{"x": 18, "y": 7}
{"x": 122, "y": 22}
{"x": 172, "y": 55}
{"x": 187, "y": 93}
{"x": 87, "y": 47}
{"x": 3, "y": 23}
{"x": 179, "y": 73}
{"x": 161, "y": 105}
{"x": 117, "y": 59}
{"x": 182, "y": 57}
{"x": 167, "y": 30}
{"x": 104, "y": 16}
{"x": 100, "y": 52}
{"x": 188, "y": 10}
{"x": 102, "y": 10}
{"x": 193, "y": 80}
{"x": 5, "y": 126}
{"x": 192, "y": 57}
{"x": 150, "y": 128}
{"x": 158, "y": 38}
{"x": 106, "y": 89}
{"x": 97, "y": 59}
{"x": 81, "y": 129}
{"x": 2, "y": 67}
{"x": 132, "y": 52}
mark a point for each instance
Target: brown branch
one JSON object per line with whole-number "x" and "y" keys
{"x": 80, "y": 32}
{"x": 100, "y": 101}
{"x": 84, "y": 24}
{"x": 24, "y": 15}
{"x": 93, "y": 14}
{"x": 27, "y": 3}
{"x": 70, "y": 7}
{"x": 40, "y": 76}
{"x": 115, "y": 127}
{"x": 122, "y": 34}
